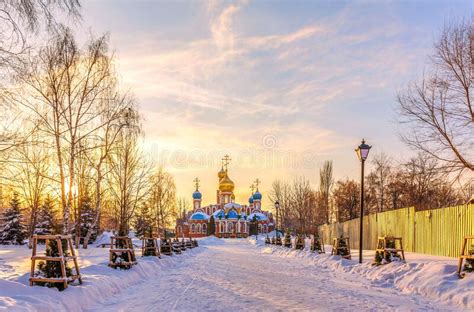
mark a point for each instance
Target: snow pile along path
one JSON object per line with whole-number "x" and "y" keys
{"x": 240, "y": 275}
{"x": 234, "y": 275}
{"x": 100, "y": 282}
{"x": 437, "y": 281}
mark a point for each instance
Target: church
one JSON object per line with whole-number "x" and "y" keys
{"x": 232, "y": 220}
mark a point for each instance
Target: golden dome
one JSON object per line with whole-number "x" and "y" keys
{"x": 226, "y": 184}
{"x": 221, "y": 174}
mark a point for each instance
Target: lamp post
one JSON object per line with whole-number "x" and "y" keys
{"x": 277, "y": 208}
{"x": 362, "y": 152}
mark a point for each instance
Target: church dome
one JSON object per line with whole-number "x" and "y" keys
{"x": 257, "y": 196}
{"x": 221, "y": 174}
{"x": 251, "y": 199}
{"x": 226, "y": 184}
{"x": 197, "y": 195}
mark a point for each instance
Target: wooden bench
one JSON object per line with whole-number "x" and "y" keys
{"x": 61, "y": 258}
{"x": 464, "y": 255}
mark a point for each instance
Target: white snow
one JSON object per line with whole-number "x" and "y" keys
{"x": 240, "y": 274}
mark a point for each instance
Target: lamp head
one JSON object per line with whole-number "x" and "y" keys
{"x": 363, "y": 150}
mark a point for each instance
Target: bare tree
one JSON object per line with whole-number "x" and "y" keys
{"x": 382, "y": 166}
{"x": 17, "y": 20}
{"x": 163, "y": 199}
{"x": 183, "y": 205}
{"x": 30, "y": 169}
{"x": 302, "y": 201}
{"x": 61, "y": 86}
{"x": 346, "y": 199}
{"x": 281, "y": 192}
{"x": 325, "y": 184}
{"x": 117, "y": 116}
{"x": 128, "y": 180}
{"x": 439, "y": 109}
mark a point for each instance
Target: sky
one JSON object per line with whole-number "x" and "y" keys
{"x": 280, "y": 86}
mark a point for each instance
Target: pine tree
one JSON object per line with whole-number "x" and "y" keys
{"x": 342, "y": 249}
{"x": 211, "y": 229}
{"x": 52, "y": 269}
{"x": 14, "y": 231}
{"x": 45, "y": 223}
{"x": 87, "y": 219}
{"x": 143, "y": 222}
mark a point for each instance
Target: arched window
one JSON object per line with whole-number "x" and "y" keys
{"x": 204, "y": 229}
{"x": 179, "y": 229}
{"x": 245, "y": 228}
{"x": 259, "y": 228}
{"x": 230, "y": 227}
{"x": 193, "y": 228}
{"x": 198, "y": 228}
{"x": 265, "y": 229}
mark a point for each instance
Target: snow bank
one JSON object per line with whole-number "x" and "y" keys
{"x": 437, "y": 281}
{"x": 100, "y": 282}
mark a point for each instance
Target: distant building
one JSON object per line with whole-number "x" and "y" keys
{"x": 231, "y": 219}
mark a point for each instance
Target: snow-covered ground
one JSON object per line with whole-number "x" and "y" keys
{"x": 241, "y": 275}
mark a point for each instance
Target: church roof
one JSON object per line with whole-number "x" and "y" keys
{"x": 199, "y": 216}
{"x": 260, "y": 216}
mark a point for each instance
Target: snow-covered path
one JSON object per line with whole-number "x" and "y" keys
{"x": 235, "y": 275}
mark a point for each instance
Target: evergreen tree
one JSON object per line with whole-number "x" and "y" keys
{"x": 316, "y": 245}
{"x": 14, "y": 231}
{"x": 211, "y": 229}
{"x": 143, "y": 222}
{"x": 45, "y": 222}
{"x": 342, "y": 249}
{"x": 52, "y": 269}
{"x": 87, "y": 219}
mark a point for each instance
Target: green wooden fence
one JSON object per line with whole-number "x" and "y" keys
{"x": 436, "y": 232}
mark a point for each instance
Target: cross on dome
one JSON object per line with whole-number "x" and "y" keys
{"x": 257, "y": 183}
{"x": 196, "y": 183}
{"x": 252, "y": 187}
{"x": 225, "y": 161}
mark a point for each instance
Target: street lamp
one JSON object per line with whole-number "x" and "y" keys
{"x": 362, "y": 152}
{"x": 277, "y": 208}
